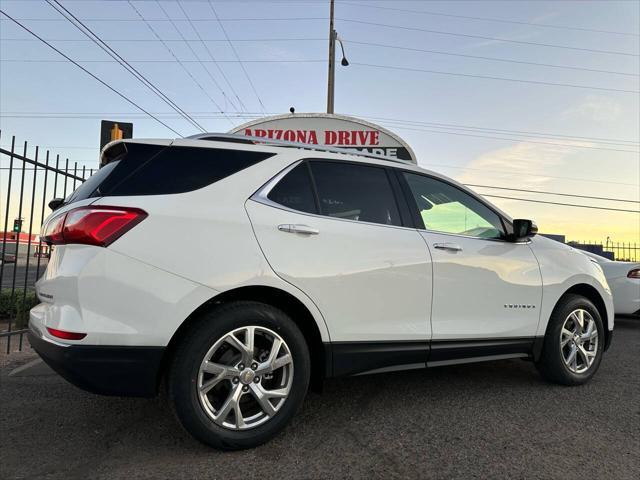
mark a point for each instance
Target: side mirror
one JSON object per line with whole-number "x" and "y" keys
{"x": 56, "y": 203}
{"x": 523, "y": 229}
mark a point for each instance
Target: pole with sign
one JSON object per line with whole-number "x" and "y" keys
{"x": 110, "y": 131}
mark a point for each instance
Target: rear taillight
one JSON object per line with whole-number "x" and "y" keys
{"x": 98, "y": 226}
{"x": 66, "y": 335}
{"x": 635, "y": 273}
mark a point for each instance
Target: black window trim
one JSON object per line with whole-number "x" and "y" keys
{"x": 507, "y": 226}
{"x": 261, "y": 195}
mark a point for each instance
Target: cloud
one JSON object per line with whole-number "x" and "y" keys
{"x": 527, "y": 161}
{"x": 595, "y": 108}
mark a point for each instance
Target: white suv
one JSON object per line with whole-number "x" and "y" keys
{"x": 240, "y": 272}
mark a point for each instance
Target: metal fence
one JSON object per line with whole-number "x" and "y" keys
{"x": 29, "y": 179}
{"x": 622, "y": 251}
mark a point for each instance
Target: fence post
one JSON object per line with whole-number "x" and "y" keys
{"x": 6, "y": 216}
{"x": 44, "y": 200}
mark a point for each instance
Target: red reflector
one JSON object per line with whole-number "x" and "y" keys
{"x": 634, "y": 273}
{"x": 66, "y": 335}
{"x": 89, "y": 225}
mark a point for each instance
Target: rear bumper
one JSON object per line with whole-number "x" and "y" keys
{"x": 106, "y": 370}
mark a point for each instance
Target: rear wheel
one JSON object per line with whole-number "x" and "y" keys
{"x": 574, "y": 341}
{"x": 239, "y": 375}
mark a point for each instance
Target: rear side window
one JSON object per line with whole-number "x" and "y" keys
{"x": 86, "y": 189}
{"x": 295, "y": 191}
{"x": 355, "y": 192}
{"x": 177, "y": 170}
{"x": 141, "y": 169}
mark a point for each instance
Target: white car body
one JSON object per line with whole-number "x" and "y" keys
{"x": 625, "y": 289}
{"x": 366, "y": 286}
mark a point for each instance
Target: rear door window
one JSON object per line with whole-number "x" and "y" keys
{"x": 355, "y": 192}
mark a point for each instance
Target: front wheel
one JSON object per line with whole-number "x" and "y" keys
{"x": 573, "y": 344}
{"x": 239, "y": 375}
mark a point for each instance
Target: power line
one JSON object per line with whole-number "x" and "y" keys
{"x": 482, "y": 37}
{"x": 487, "y": 19}
{"x": 224, "y": 31}
{"x": 355, "y": 42}
{"x": 90, "y": 74}
{"x": 300, "y": 60}
{"x": 169, "y": 19}
{"x": 489, "y": 77}
{"x": 242, "y": 105}
{"x": 85, "y": 115}
{"x": 195, "y": 55}
{"x": 175, "y": 58}
{"x": 129, "y": 40}
{"x": 475, "y": 132}
{"x": 511, "y": 139}
{"x": 520, "y": 173}
{"x": 215, "y": 82}
{"x": 564, "y": 204}
{"x": 553, "y": 193}
{"x": 387, "y": 120}
{"x": 493, "y": 59}
{"x": 113, "y": 54}
{"x": 457, "y": 126}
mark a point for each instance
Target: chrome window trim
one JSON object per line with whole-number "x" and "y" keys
{"x": 262, "y": 196}
{"x": 472, "y": 237}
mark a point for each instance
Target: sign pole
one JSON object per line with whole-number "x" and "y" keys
{"x": 332, "y": 61}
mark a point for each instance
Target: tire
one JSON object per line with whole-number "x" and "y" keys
{"x": 209, "y": 336}
{"x": 556, "y": 363}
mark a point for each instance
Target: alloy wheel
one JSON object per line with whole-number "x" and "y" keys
{"x": 245, "y": 378}
{"x": 579, "y": 341}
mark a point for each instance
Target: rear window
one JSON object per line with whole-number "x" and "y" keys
{"x": 89, "y": 186}
{"x": 160, "y": 170}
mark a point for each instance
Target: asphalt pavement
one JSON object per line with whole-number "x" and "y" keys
{"x": 488, "y": 420}
{"x": 21, "y": 272}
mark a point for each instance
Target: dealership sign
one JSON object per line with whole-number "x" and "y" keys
{"x": 336, "y": 131}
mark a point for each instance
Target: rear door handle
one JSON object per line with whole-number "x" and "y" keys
{"x": 296, "y": 228}
{"x": 452, "y": 247}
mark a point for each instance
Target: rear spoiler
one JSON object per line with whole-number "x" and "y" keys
{"x": 115, "y": 150}
{"x": 112, "y": 151}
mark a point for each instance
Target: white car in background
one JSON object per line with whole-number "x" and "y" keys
{"x": 624, "y": 280}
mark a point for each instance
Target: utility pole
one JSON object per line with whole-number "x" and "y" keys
{"x": 332, "y": 61}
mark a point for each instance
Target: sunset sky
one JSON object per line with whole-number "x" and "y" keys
{"x": 530, "y": 95}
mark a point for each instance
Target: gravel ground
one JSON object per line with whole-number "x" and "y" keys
{"x": 489, "y": 420}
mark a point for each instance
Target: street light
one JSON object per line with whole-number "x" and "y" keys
{"x": 333, "y": 36}
{"x": 344, "y": 61}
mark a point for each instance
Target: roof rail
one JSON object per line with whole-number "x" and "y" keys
{"x": 246, "y": 139}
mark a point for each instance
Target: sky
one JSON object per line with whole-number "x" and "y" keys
{"x": 538, "y": 95}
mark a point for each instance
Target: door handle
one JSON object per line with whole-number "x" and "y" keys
{"x": 451, "y": 247}
{"x": 296, "y": 228}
